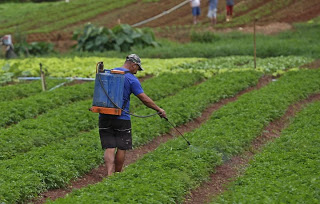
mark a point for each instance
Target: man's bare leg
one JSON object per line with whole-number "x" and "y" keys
{"x": 119, "y": 160}
{"x": 109, "y": 159}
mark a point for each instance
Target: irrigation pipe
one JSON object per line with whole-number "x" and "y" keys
{"x": 70, "y": 79}
{"x": 161, "y": 14}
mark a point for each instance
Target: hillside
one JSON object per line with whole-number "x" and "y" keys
{"x": 273, "y": 16}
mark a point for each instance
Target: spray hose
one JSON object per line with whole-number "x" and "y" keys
{"x": 106, "y": 93}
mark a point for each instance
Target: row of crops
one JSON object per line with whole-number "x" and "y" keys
{"x": 167, "y": 174}
{"x": 287, "y": 171}
{"x": 50, "y": 16}
{"x": 85, "y": 66}
{"x": 64, "y": 126}
{"x": 54, "y": 137}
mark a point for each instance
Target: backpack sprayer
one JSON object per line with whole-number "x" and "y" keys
{"x": 108, "y": 94}
{"x": 108, "y": 91}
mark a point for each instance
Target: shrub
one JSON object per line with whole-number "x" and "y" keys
{"x": 203, "y": 37}
{"x": 34, "y": 48}
{"x": 121, "y": 38}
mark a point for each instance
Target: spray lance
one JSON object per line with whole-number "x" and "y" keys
{"x": 115, "y": 76}
{"x": 177, "y": 131}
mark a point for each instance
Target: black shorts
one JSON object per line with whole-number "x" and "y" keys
{"x": 115, "y": 133}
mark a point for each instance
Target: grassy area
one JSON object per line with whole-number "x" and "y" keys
{"x": 258, "y": 13}
{"x": 52, "y": 15}
{"x": 301, "y": 41}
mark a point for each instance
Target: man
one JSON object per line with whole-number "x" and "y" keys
{"x": 195, "y": 6}
{"x": 212, "y": 12}
{"x": 115, "y": 131}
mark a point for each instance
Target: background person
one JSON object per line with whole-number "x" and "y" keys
{"x": 212, "y": 11}
{"x": 229, "y": 7}
{"x": 196, "y": 11}
{"x": 115, "y": 131}
{"x": 9, "y": 49}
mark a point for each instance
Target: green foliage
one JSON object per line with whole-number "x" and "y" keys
{"x": 270, "y": 65}
{"x": 34, "y": 48}
{"x": 59, "y": 117}
{"x": 287, "y": 170}
{"x": 189, "y": 103}
{"x": 165, "y": 84}
{"x": 9, "y": 72}
{"x": 25, "y": 89}
{"x": 51, "y": 16}
{"x": 15, "y": 111}
{"x": 79, "y": 66}
{"x": 62, "y": 153}
{"x": 204, "y": 37}
{"x": 168, "y": 173}
{"x": 24, "y": 1}
{"x": 302, "y": 41}
{"x": 121, "y": 38}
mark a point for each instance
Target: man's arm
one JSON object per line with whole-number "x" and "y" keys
{"x": 146, "y": 100}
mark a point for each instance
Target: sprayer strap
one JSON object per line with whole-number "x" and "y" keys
{"x": 115, "y": 70}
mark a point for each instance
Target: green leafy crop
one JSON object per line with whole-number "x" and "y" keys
{"x": 120, "y": 38}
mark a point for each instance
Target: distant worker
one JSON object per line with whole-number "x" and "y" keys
{"x": 114, "y": 130}
{"x": 212, "y": 12}
{"x": 229, "y": 6}
{"x": 7, "y": 42}
{"x": 196, "y": 11}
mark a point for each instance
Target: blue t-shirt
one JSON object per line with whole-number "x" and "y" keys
{"x": 131, "y": 85}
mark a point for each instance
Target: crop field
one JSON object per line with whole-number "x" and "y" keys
{"x": 287, "y": 170}
{"x": 53, "y": 15}
{"x": 56, "y": 137}
{"x": 242, "y": 99}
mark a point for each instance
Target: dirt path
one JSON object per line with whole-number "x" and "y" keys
{"x": 229, "y": 171}
{"x": 313, "y": 65}
{"x": 96, "y": 175}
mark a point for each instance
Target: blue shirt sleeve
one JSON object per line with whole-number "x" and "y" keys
{"x": 136, "y": 87}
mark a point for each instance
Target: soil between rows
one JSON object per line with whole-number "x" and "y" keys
{"x": 96, "y": 175}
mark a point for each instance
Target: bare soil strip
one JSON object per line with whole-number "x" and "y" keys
{"x": 313, "y": 65}
{"x": 96, "y": 175}
{"x": 230, "y": 170}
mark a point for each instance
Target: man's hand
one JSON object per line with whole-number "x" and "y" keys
{"x": 162, "y": 113}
